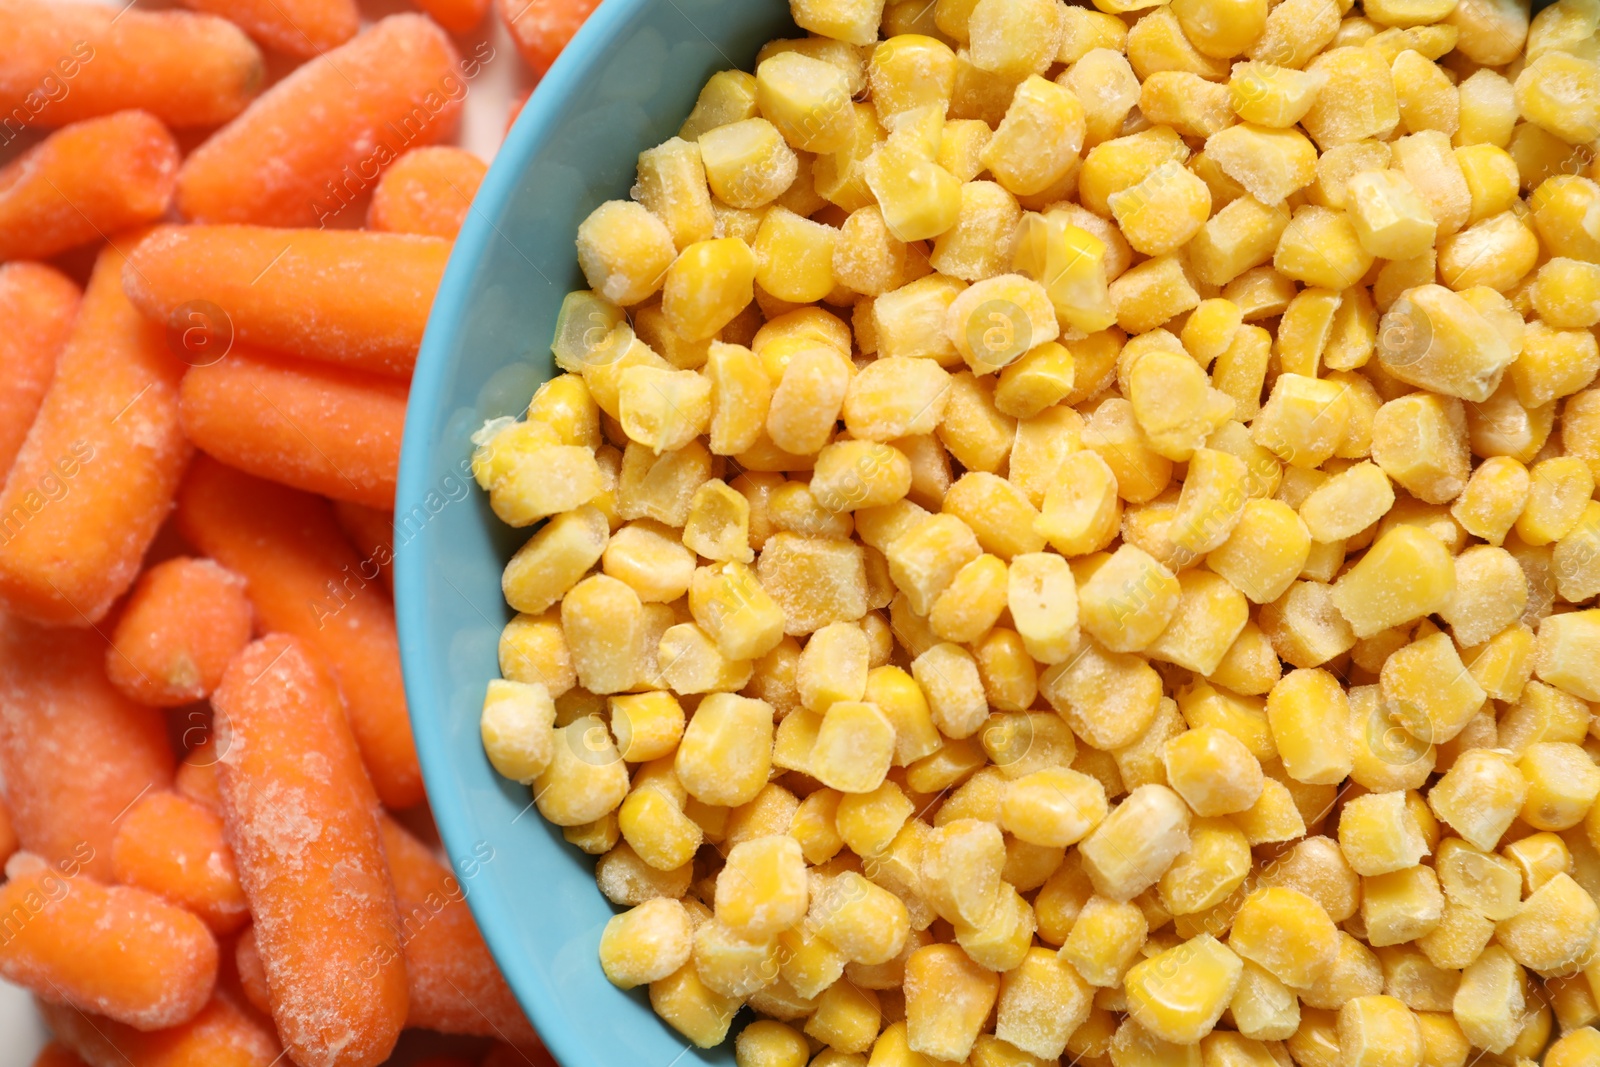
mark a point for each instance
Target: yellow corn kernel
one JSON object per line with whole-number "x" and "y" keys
{"x": 909, "y": 322}
{"x": 692, "y": 1009}
{"x": 1128, "y": 601}
{"x": 1013, "y": 39}
{"x": 645, "y": 944}
{"x": 976, "y": 247}
{"x": 1001, "y": 943}
{"x": 919, "y": 198}
{"x": 533, "y": 649}
{"x": 767, "y": 1043}
{"x": 1082, "y": 510}
{"x": 972, "y": 604}
{"x": 1041, "y": 594}
{"x": 833, "y": 666}
{"x": 1210, "y": 328}
{"x": 1553, "y": 929}
{"x": 1265, "y": 551}
{"x": 1379, "y": 1031}
{"x": 1562, "y": 784}
{"x": 531, "y": 477}
{"x": 807, "y": 99}
{"x": 1479, "y": 797}
{"x": 1566, "y": 293}
{"x": 1488, "y": 112}
{"x": 1491, "y": 593}
{"x": 1489, "y": 1004}
{"x": 748, "y": 164}
{"x": 729, "y": 96}
{"x": 1556, "y": 92}
{"x": 847, "y": 1018}
{"x": 1054, "y": 808}
{"x": 564, "y": 405}
{"x": 1038, "y": 142}
{"x": 602, "y": 620}
{"x": 1493, "y": 498}
{"x": 1038, "y": 380}
{"x": 1152, "y": 293}
{"x": 1321, "y": 246}
{"x": 898, "y": 696}
{"x": 707, "y": 286}
{"x": 1391, "y": 219}
{"x": 1378, "y": 835}
{"x": 554, "y": 559}
{"x": 869, "y": 822}
{"x": 1130, "y": 850}
{"x": 854, "y": 747}
{"x": 1269, "y": 162}
{"x": 998, "y": 320}
{"x": 867, "y": 923}
{"x": 867, "y": 258}
{"x": 1347, "y": 503}
{"x": 655, "y": 827}
{"x": 1213, "y": 771}
{"x": 762, "y": 890}
{"x": 960, "y": 870}
{"x": 740, "y": 395}
{"x": 726, "y": 750}
{"x": 1041, "y": 1004}
{"x": 1276, "y": 97}
{"x": 1560, "y": 657}
{"x": 910, "y": 71}
{"x": 794, "y": 256}
{"x": 1429, "y": 691}
{"x": 652, "y": 561}
{"x": 1427, "y": 98}
{"x": 624, "y": 251}
{"x": 948, "y": 675}
{"x": 1310, "y": 719}
{"x": 1304, "y": 626}
{"x": 1303, "y": 421}
{"x": 719, "y": 524}
{"x": 585, "y": 778}
{"x": 729, "y": 603}
{"x": 948, "y": 1000}
{"x": 517, "y": 729}
{"x": 1263, "y": 1008}
{"x": 1578, "y": 1047}
{"x": 660, "y": 487}
{"x": 925, "y": 559}
{"x": 1286, "y": 933}
{"x": 1559, "y": 492}
{"x": 1157, "y": 42}
{"x": 1178, "y": 995}
{"x": 1204, "y": 884}
{"x": 1561, "y": 208}
{"x": 977, "y": 435}
{"x": 1407, "y": 574}
{"x": 647, "y": 726}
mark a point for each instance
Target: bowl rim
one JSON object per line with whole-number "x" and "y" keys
{"x": 541, "y": 115}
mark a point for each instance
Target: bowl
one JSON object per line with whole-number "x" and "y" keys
{"x": 624, "y": 84}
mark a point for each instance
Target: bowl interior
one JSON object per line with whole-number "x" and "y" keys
{"x": 625, "y": 84}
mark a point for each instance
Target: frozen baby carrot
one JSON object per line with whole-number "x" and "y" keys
{"x": 222, "y": 1035}
{"x": 56, "y": 1054}
{"x": 252, "y": 979}
{"x": 417, "y": 875}
{"x": 542, "y": 28}
{"x": 114, "y": 950}
{"x": 74, "y": 753}
{"x": 63, "y": 62}
{"x": 427, "y": 191}
{"x": 295, "y": 27}
{"x": 185, "y": 620}
{"x": 457, "y": 16}
{"x": 455, "y": 986}
{"x": 85, "y": 181}
{"x": 338, "y": 296}
{"x": 37, "y": 304}
{"x": 372, "y": 533}
{"x": 174, "y": 847}
{"x": 324, "y": 429}
{"x": 95, "y": 477}
{"x": 304, "y": 579}
{"x": 303, "y": 820}
{"x": 318, "y": 140}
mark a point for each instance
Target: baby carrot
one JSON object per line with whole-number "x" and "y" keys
{"x": 300, "y": 28}
{"x": 252, "y": 978}
{"x": 37, "y": 304}
{"x": 222, "y": 1035}
{"x": 324, "y": 429}
{"x": 185, "y": 620}
{"x": 84, "y": 181}
{"x": 372, "y": 533}
{"x": 455, "y": 986}
{"x": 95, "y": 477}
{"x": 337, "y": 296}
{"x": 68, "y": 61}
{"x": 427, "y": 191}
{"x": 56, "y": 1054}
{"x": 114, "y": 950}
{"x": 318, "y": 140}
{"x": 542, "y": 28}
{"x": 417, "y": 875}
{"x": 74, "y": 752}
{"x": 457, "y": 16}
{"x": 303, "y": 819}
{"x": 305, "y": 579}
{"x": 174, "y": 847}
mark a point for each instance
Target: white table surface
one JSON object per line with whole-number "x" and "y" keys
{"x": 22, "y": 1034}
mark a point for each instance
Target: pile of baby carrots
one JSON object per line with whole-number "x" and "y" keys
{"x": 208, "y": 787}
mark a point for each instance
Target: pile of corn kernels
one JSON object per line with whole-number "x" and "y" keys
{"x": 1069, "y": 535}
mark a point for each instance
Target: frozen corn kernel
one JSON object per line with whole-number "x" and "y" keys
{"x": 1562, "y": 785}
{"x": 1286, "y": 933}
{"x": 726, "y": 750}
{"x": 960, "y": 870}
{"x": 1178, "y": 995}
{"x": 972, "y": 604}
{"x": 728, "y": 602}
{"x": 1213, "y": 771}
{"x": 517, "y": 729}
{"x": 1379, "y": 1031}
{"x": 1107, "y": 698}
{"x": 1347, "y": 503}
{"x": 707, "y": 286}
{"x": 1429, "y": 691}
{"x": 1559, "y": 491}
{"x": 625, "y": 251}
{"x": 1392, "y": 221}
{"x": 794, "y": 257}
{"x": 909, "y": 71}
{"x": 854, "y": 747}
{"x": 1321, "y": 247}
{"x": 1377, "y": 834}
{"x": 1489, "y": 1003}
{"x": 585, "y": 778}
{"x": 1130, "y": 850}
{"x": 728, "y": 96}
{"x": 646, "y": 944}
{"x": 555, "y": 559}
{"x": 748, "y": 164}
{"x": 1014, "y": 38}
{"x": 1303, "y": 421}
{"x": 1128, "y": 601}
{"x": 1038, "y": 141}
{"x": 655, "y": 827}
{"x": 948, "y": 1000}
{"x": 1265, "y": 552}
{"x": 1053, "y": 808}
{"x": 762, "y": 891}
{"x": 996, "y": 321}
{"x": 1106, "y": 85}
{"x": 1309, "y": 714}
{"x": 807, "y": 99}
{"x": 1408, "y": 573}
{"x": 1420, "y": 441}
{"x": 1493, "y": 498}
{"x": 1554, "y": 927}
{"x": 1269, "y": 162}
{"x": 1560, "y": 92}
{"x": 1479, "y": 797}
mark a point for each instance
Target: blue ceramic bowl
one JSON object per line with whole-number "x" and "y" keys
{"x": 624, "y": 84}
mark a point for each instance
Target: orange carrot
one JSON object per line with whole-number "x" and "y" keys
{"x": 300, "y": 28}
{"x": 174, "y": 847}
{"x": 457, "y": 16}
{"x": 305, "y": 579}
{"x": 8, "y": 833}
{"x": 372, "y": 533}
{"x": 74, "y": 752}
{"x": 63, "y": 62}
{"x": 222, "y": 1035}
{"x": 197, "y": 776}
{"x": 185, "y": 620}
{"x": 417, "y": 874}
{"x": 455, "y": 986}
{"x": 337, "y": 296}
{"x": 303, "y": 819}
{"x": 542, "y": 28}
{"x": 319, "y": 139}
{"x": 56, "y": 1054}
{"x": 311, "y": 426}
{"x": 504, "y": 1055}
{"x": 37, "y": 304}
{"x": 84, "y": 181}
{"x": 427, "y": 191}
{"x": 114, "y": 950}
{"x": 252, "y": 978}
{"x": 95, "y": 477}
